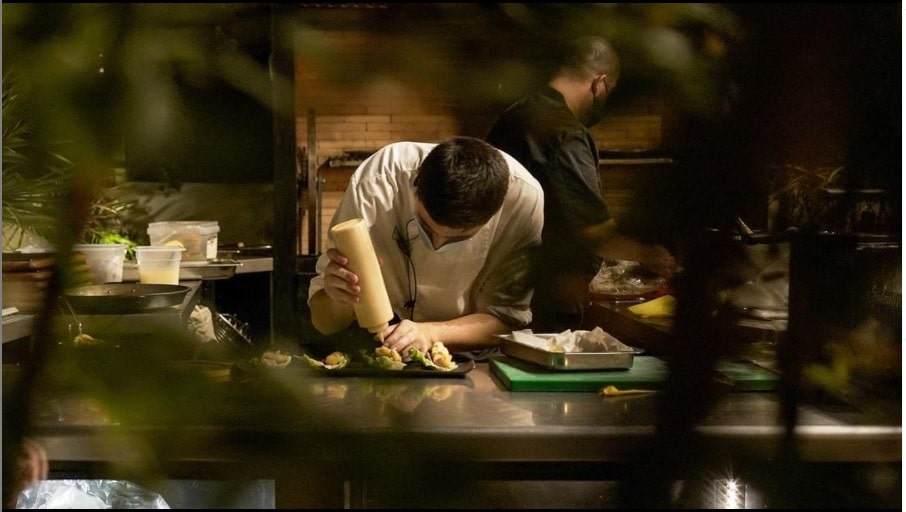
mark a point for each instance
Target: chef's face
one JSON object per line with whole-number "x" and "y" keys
{"x": 439, "y": 235}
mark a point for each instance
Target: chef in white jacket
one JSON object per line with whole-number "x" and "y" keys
{"x": 453, "y": 225}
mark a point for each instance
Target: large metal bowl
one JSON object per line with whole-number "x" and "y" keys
{"x": 124, "y": 298}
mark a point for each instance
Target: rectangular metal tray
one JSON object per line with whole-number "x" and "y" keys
{"x": 191, "y": 270}
{"x": 566, "y": 361}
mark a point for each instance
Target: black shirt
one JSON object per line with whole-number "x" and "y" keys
{"x": 543, "y": 134}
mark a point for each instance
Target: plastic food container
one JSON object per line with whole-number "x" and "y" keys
{"x": 106, "y": 261}
{"x": 197, "y": 236}
{"x": 158, "y": 264}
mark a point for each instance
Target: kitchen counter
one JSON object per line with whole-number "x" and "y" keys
{"x": 650, "y": 334}
{"x": 758, "y": 338}
{"x": 304, "y": 430}
{"x": 255, "y": 264}
{"x": 17, "y": 326}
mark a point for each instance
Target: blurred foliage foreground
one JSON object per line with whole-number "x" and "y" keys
{"x": 76, "y": 78}
{"x": 94, "y": 72}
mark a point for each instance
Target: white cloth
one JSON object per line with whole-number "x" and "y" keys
{"x": 476, "y": 278}
{"x": 201, "y": 323}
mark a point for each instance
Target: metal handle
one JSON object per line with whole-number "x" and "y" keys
{"x": 74, "y": 317}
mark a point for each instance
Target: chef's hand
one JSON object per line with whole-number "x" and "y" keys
{"x": 659, "y": 260}
{"x": 340, "y": 283}
{"x": 408, "y": 334}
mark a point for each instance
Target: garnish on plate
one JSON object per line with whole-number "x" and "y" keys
{"x": 438, "y": 357}
{"x": 273, "y": 358}
{"x": 333, "y": 361}
{"x": 384, "y": 358}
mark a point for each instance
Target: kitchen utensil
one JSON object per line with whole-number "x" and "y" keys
{"x": 373, "y": 310}
{"x": 208, "y": 270}
{"x": 124, "y": 298}
{"x": 241, "y": 250}
{"x": 566, "y": 360}
{"x": 75, "y": 317}
{"x": 647, "y": 372}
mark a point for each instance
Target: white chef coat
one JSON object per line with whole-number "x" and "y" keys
{"x": 488, "y": 274}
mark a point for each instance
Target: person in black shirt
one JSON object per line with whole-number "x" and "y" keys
{"x": 548, "y": 132}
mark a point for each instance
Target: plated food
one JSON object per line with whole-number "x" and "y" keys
{"x": 438, "y": 358}
{"x": 273, "y": 358}
{"x": 333, "y": 361}
{"x": 384, "y": 358}
{"x": 382, "y": 361}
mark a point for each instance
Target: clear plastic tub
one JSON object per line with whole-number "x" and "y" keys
{"x": 197, "y": 236}
{"x": 106, "y": 261}
{"x": 158, "y": 264}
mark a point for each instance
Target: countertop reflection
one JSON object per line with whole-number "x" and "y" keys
{"x": 471, "y": 418}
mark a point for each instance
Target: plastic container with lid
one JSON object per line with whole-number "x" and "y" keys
{"x": 105, "y": 261}
{"x": 199, "y": 237}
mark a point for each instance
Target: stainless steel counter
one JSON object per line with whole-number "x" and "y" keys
{"x": 255, "y": 264}
{"x": 17, "y": 326}
{"x": 336, "y": 429}
{"x": 478, "y": 420}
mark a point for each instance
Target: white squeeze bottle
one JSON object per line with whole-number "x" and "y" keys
{"x": 373, "y": 310}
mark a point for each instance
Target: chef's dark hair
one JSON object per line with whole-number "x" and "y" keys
{"x": 462, "y": 182}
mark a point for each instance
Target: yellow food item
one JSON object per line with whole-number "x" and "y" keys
{"x": 384, "y": 358}
{"x": 388, "y": 352}
{"x": 660, "y": 307}
{"x": 85, "y": 339}
{"x": 441, "y": 355}
{"x": 334, "y": 361}
{"x": 615, "y": 391}
{"x": 335, "y": 358}
{"x": 174, "y": 243}
{"x": 275, "y": 358}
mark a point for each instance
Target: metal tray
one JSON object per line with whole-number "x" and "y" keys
{"x": 192, "y": 270}
{"x": 567, "y": 361}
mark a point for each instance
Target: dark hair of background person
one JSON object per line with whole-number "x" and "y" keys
{"x": 585, "y": 56}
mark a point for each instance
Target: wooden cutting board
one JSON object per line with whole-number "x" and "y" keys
{"x": 647, "y": 372}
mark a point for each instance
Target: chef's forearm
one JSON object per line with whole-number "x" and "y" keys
{"x": 470, "y": 332}
{"x": 329, "y": 316}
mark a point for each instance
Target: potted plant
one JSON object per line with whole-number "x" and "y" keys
{"x": 35, "y": 181}
{"x": 36, "y": 184}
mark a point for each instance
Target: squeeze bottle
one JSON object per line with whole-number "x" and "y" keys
{"x": 373, "y": 311}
